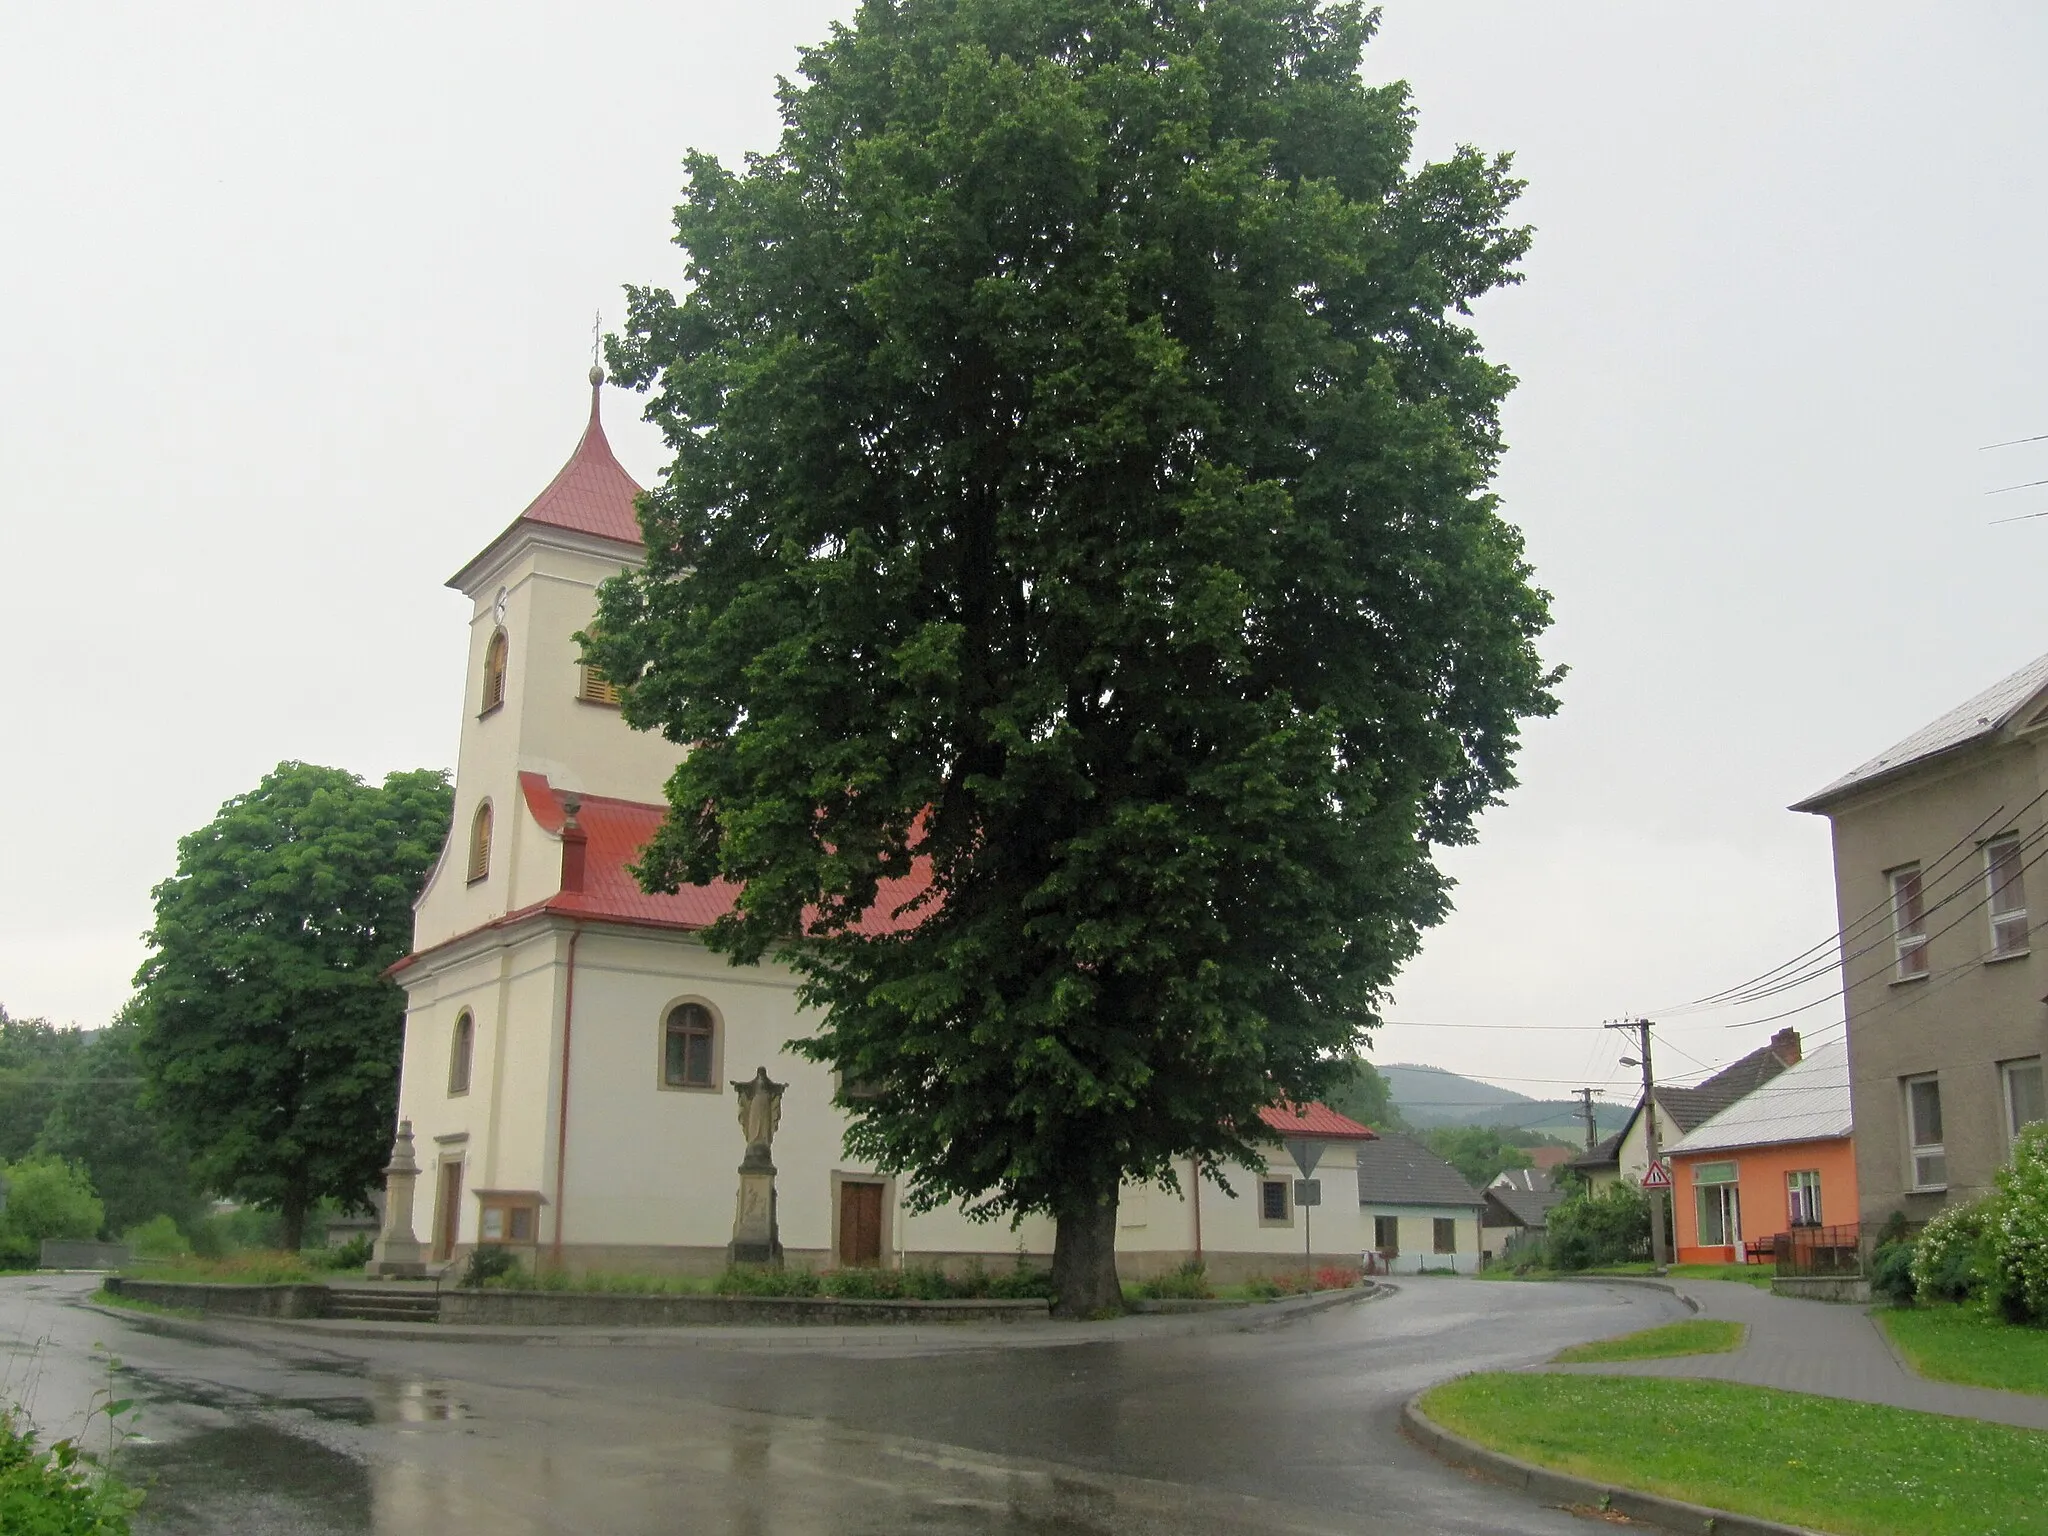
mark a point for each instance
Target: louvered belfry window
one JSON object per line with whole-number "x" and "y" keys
{"x": 596, "y": 688}
{"x": 494, "y": 673}
{"x": 480, "y": 844}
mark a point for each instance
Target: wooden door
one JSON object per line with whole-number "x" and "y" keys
{"x": 448, "y": 1215}
{"x": 860, "y": 1223}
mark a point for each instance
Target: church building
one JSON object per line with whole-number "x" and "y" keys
{"x": 572, "y": 1048}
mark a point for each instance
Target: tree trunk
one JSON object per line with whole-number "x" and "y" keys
{"x": 1084, "y": 1261}
{"x": 291, "y": 1213}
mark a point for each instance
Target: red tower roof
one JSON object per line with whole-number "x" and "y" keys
{"x": 592, "y": 493}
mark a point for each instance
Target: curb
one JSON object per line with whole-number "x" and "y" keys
{"x": 236, "y": 1330}
{"x": 1691, "y": 1303}
{"x": 1563, "y": 1488}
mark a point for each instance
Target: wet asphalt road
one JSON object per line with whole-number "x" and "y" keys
{"x": 1291, "y": 1429}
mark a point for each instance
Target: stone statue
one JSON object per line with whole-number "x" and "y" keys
{"x": 755, "y": 1236}
{"x": 760, "y": 1108}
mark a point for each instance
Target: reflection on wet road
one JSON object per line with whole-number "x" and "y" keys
{"x": 1290, "y": 1429}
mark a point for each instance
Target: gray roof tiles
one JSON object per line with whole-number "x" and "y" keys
{"x": 1399, "y": 1170}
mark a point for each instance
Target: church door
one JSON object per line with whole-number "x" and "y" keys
{"x": 448, "y": 1217}
{"x": 860, "y": 1223}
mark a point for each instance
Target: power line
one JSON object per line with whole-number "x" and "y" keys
{"x": 2024, "y": 485}
{"x": 2014, "y": 442}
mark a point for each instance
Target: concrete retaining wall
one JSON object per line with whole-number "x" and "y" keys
{"x": 1823, "y": 1287}
{"x": 226, "y": 1300}
{"x": 552, "y": 1309}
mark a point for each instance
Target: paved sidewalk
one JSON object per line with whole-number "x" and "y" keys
{"x": 1826, "y": 1348}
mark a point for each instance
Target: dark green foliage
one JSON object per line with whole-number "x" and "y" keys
{"x": 1189, "y": 1281}
{"x": 1612, "y": 1227}
{"x": 224, "y": 1233}
{"x": 100, "y": 1120}
{"x": 59, "y": 1491}
{"x": 46, "y": 1197}
{"x": 487, "y": 1264}
{"x": 1479, "y": 1152}
{"x": 269, "y": 1034}
{"x": 36, "y": 1060}
{"x": 1362, "y": 1093}
{"x": 1891, "y": 1273}
{"x": 1080, "y": 492}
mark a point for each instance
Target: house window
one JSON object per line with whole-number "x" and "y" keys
{"x": 1276, "y": 1203}
{"x": 1445, "y": 1230}
{"x": 2007, "y": 882}
{"x": 594, "y": 688}
{"x": 1802, "y": 1198}
{"x": 689, "y": 1040}
{"x": 2025, "y": 1101}
{"x": 1923, "y": 1133}
{"x": 461, "y": 1053}
{"x": 1909, "y": 923}
{"x": 1718, "y": 1205}
{"x": 480, "y": 843}
{"x": 1386, "y": 1234}
{"x": 494, "y": 673}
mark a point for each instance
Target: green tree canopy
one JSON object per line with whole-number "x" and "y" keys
{"x": 1479, "y": 1152}
{"x": 101, "y": 1121}
{"x": 1366, "y": 1096}
{"x": 46, "y": 1197}
{"x": 268, "y": 1031}
{"x": 1080, "y": 487}
{"x": 36, "y": 1060}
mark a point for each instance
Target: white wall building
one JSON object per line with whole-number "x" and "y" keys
{"x": 570, "y": 1042}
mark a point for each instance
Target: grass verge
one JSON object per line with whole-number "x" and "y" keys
{"x": 252, "y": 1268}
{"x": 1856, "y": 1469}
{"x": 1758, "y": 1275}
{"x": 1699, "y": 1336}
{"x": 1961, "y": 1344}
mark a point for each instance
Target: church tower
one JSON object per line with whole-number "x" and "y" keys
{"x": 529, "y": 707}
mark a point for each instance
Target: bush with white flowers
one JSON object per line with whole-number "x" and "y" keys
{"x": 1946, "y": 1256}
{"x": 2018, "y": 1230}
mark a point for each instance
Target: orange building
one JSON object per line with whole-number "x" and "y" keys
{"x": 1779, "y": 1158}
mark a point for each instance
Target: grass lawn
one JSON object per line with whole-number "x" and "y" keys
{"x": 1758, "y": 1275}
{"x": 253, "y": 1268}
{"x": 1855, "y": 1469}
{"x": 1961, "y": 1344}
{"x": 1700, "y": 1336}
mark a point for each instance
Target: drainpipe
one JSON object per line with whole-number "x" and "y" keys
{"x": 574, "y": 848}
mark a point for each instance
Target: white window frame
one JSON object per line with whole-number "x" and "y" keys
{"x": 1802, "y": 1197}
{"x": 1727, "y": 1200}
{"x": 2026, "y": 1066}
{"x": 2006, "y": 899}
{"x": 1909, "y": 932}
{"x": 1918, "y": 1152}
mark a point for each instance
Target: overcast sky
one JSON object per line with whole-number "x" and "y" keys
{"x": 298, "y": 306}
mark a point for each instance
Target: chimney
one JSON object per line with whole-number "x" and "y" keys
{"x": 1785, "y": 1046}
{"x": 576, "y": 842}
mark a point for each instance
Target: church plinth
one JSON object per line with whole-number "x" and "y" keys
{"x": 755, "y": 1239}
{"x": 397, "y": 1254}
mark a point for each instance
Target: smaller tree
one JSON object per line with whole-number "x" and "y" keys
{"x": 1366, "y": 1096}
{"x": 46, "y": 1198}
{"x": 1612, "y": 1227}
{"x": 1479, "y": 1152}
{"x": 266, "y": 1027}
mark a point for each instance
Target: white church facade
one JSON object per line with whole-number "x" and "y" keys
{"x": 571, "y": 1045}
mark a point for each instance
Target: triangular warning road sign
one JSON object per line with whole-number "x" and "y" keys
{"x": 1659, "y": 1176}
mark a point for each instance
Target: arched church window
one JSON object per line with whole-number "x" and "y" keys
{"x": 461, "y": 1053}
{"x": 689, "y": 1053}
{"x": 480, "y": 843}
{"x": 494, "y": 672}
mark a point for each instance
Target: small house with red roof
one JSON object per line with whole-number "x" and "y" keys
{"x": 571, "y": 1046}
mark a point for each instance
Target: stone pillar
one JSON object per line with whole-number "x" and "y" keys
{"x": 755, "y": 1238}
{"x": 397, "y": 1254}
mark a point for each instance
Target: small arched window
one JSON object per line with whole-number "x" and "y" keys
{"x": 494, "y": 673}
{"x": 461, "y": 1053}
{"x": 689, "y": 1047}
{"x": 480, "y": 843}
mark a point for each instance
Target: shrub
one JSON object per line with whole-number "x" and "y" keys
{"x": 487, "y": 1264}
{"x": 46, "y": 1197}
{"x": 353, "y": 1254}
{"x": 1336, "y": 1277}
{"x": 1945, "y": 1258}
{"x": 2016, "y": 1234}
{"x": 1612, "y": 1227}
{"x": 1022, "y": 1284}
{"x": 58, "y": 1492}
{"x": 1189, "y": 1281}
{"x": 757, "y": 1280}
{"x": 1891, "y": 1273}
{"x": 157, "y": 1238}
{"x": 228, "y": 1232}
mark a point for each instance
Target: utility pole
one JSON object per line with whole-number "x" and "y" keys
{"x": 1592, "y": 1125}
{"x": 1642, "y": 1029}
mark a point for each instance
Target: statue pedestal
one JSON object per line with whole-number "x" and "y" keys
{"x": 755, "y": 1239}
{"x": 397, "y": 1254}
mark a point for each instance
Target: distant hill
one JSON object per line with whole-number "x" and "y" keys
{"x": 1430, "y": 1096}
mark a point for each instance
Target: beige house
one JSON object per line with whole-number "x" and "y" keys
{"x": 570, "y": 1043}
{"x": 1936, "y": 842}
